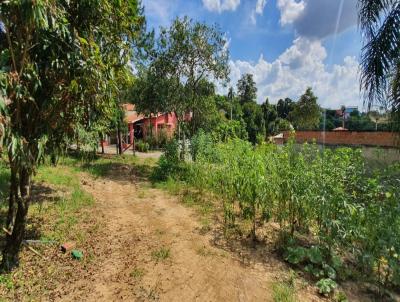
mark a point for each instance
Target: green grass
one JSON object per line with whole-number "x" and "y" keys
{"x": 65, "y": 210}
{"x": 283, "y": 292}
{"x": 161, "y": 254}
{"x": 7, "y": 281}
{"x": 100, "y": 166}
{"x": 170, "y": 185}
{"x": 137, "y": 273}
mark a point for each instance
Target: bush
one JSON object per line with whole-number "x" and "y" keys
{"x": 169, "y": 164}
{"x": 142, "y": 146}
{"x": 326, "y": 286}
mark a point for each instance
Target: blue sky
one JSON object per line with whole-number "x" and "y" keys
{"x": 287, "y": 44}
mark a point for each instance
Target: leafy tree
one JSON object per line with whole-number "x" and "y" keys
{"x": 230, "y": 129}
{"x": 229, "y": 106}
{"x": 283, "y": 125}
{"x": 187, "y": 53}
{"x": 270, "y": 116}
{"x": 57, "y": 71}
{"x": 284, "y": 107}
{"x": 147, "y": 93}
{"x": 306, "y": 113}
{"x": 246, "y": 89}
{"x": 254, "y": 119}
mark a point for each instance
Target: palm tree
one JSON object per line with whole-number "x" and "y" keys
{"x": 379, "y": 21}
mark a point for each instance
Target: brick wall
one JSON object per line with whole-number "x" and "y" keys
{"x": 353, "y": 138}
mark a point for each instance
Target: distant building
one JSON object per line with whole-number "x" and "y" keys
{"x": 340, "y": 129}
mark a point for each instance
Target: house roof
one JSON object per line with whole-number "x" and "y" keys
{"x": 133, "y": 116}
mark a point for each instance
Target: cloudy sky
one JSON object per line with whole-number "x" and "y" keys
{"x": 287, "y": 44}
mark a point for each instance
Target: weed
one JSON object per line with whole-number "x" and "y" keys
{"x": 161, "y": 254}
{"x": 326, "y": 286}
{"x": 283, "y": 292}
{"x": 160, "y": 232}
{"x": 7, "y": 281}
{"x": 205, "y": 252}
{"x": 340, "y": 297}
{"x": 137, "y": 273}
{"x": 171, "y": 186}
{"x": 141, "y": 194}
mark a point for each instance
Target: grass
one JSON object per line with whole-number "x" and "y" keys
{"x": 283, "y": 292}
{"x": 137, "y": 273}
{"x": 161, "y": 254}
{"x": 56, "y": 205}
{"x": 7, "y": 281}
{"x": 204, "y": 252}
{"x": 170, "y": 185}
{"x": 64, "y": 210}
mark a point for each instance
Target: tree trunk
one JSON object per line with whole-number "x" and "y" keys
{"x": 183, "y": 151}
{"x": 119, "y": 141}
{"x": 102, "y": 144}
{"x": 14, "y": 241}
{"x": 12, "y": 199}
{"x": 53, "y": 159}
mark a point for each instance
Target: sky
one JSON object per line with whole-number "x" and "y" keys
{"x": 288, "y": 45}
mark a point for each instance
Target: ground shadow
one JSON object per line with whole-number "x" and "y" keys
{"x": 133, "y": 172}
{"x": 39, "y": 194}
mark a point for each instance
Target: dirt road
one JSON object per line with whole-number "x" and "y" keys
{"x": 156, "y": 250}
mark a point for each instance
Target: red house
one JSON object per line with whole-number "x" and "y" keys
{"x": 139, "y": 126}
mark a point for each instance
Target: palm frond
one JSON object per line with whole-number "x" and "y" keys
{"x": 380, "y": 24}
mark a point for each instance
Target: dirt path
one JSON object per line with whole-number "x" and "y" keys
{"x": 156, "y": 251}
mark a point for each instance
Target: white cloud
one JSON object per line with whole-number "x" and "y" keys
{"x": 318, "y": 18}
{"x": 221, "y": 5}
{"x": 260, "y": 6}
{"x": 259, "y": 9}
{"x": 160, "y": 12}
{"x": 290, "y": 10}
{"x": 303, "y": 65}
{"x": 300, "y": 66}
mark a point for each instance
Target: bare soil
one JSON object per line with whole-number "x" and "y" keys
{"x": 155, "y": 249}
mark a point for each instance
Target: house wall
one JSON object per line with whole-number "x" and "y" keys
{"x": 351, "y": 138}
{"x": 168, "y": 121}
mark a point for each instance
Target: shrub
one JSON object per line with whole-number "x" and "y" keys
{"x": 326, "y": 286}
{"x": 169, "y": 164}
{"x": 142, "y": 146}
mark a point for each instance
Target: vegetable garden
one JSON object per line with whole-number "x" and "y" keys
{"x": 336, "y": 215}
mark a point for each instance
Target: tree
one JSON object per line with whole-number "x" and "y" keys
{"x": 57, "y": 69}
{"x": 187, "y": 53}
{"x": 254, "y": 119}
{"x": 246, "y": 89}
{"x": 270, "y": 116}
{"x": 283, "y": 125}
{"x": 306, "y": 113}
{"x": 380, "y": 59}
{"x": 229, "y": 106}
{"x": 284, "y": 107}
